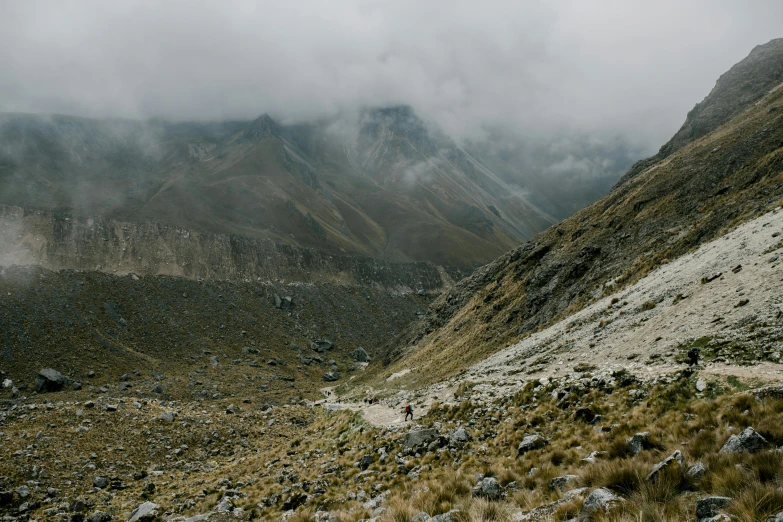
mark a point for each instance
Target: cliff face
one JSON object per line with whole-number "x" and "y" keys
{"x": 65, "y": 242}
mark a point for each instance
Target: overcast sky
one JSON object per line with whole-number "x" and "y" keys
{"x": 619, "y": 67}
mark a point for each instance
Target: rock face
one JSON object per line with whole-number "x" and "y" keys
{"x": 707, "y": 507}
{"x": 530, "y": 443}
{"x": 49, "y": 380}
{"x": 747, "y": 441}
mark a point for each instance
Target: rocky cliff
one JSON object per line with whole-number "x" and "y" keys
{"x": 62, "y": 241}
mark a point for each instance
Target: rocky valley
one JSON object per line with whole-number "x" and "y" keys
{"x": 251, "y": 320}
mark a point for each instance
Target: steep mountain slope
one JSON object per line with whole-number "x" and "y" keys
{"x": 384, "y": 185}
{"x": 720, "y": 180}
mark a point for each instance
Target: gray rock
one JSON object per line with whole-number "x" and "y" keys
{"x": 100, "y": 482}
{"x": 675, "y": 459}
{"x": 146, "y": 512}
{"x": 697, "y": 471}
{"x": 167, "y": 416}
{"x": 459, "y": 437}
{"x": 419, "y": 438}
{"x": 49, "y": 380}
{"x": 360, "y": 355}
{"x": 331, "y": 376}
{"x": 600, "y": 500}
{"x": 707, "y": 507}
{"x": 488, "y": 488}
{"x": 23, "y": 491}
{"x": 99, "y": 516}
{"x": 421, "y": 517}
{"x": 562, "y": 482}
{"x": 446, "y": 517}
{"x": 321, "y": 345}
{"x": 365, "y": 462}
{"x": 530, "y": 443}
{"x": 747, "y": 441}
{"x": 639, "y": 442}
{"x": 776, "y": 518}
{"x": 701, "y": 385}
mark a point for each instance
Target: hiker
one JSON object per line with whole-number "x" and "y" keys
{"x": 408, "y": 411}
{"x": 693, "y": 356}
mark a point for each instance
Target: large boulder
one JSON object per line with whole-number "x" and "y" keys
{"x": 331, "y": 376}
{"x": 459, "y": 437}
{"x": 707, "y": 507}
{"x": 530, "y": 443}
{"x": 49, "y": 380}
{"x": 747, "y": 441}
{"x": 146, "y": 512}
{"x": 321, "y": 345}
{"x": 419, "y": 439}
{"x": 488, "y": 488}
{"x": 640, "y": 441}
{"x": 673, "y": 460}
{"x": 360, "y": 355}
{"x": 600, "y": 500}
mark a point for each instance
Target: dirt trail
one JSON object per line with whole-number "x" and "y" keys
{"x": 379, "y": 414}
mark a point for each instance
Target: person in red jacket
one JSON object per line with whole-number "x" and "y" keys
{"x": 408, "y": 411}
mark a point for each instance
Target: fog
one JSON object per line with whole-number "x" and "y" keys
{"x": 624, "y": 68}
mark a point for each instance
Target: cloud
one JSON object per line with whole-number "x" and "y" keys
{"x": 629, "y": 68}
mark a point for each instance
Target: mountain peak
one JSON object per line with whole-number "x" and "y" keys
{"x": 262, "y": 127}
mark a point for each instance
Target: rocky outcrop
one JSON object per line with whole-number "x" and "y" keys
{"x": 64, "y": 242}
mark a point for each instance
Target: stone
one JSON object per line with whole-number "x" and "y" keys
{"x": 776, "y": 518}
{"x": 707, "y": 507}
{"x": 99, "y": 516}
{"x": 675, "y": 459}
{"x": 489, "y": 488}
{"x": 419, "y": 438}
{"x": 639, "y": 442}
{"x": 600, "y": 500}
{"x": 697, "y": 471}
{"x": 459, "y": 437}
{"x": 365, "y": 462}
{"x": 421, "y": 517}
{"x": 585, "y": 415}
{"x": 49, "y": 380}
{"x": 701, "y": 385}
{"x": 167, "y": 416}
{"x": 747, "y": 441}
{"x": 530, "y": 443}
{"x": 331, "y": 376}
{"x": 360, "y": 355}
{"x": 562, "y": 482}
{"x": 321, "y": 346}
{"x": 446, "y": 517}
{"x": 100, "y": 482}
{"x": 147, "y": 512}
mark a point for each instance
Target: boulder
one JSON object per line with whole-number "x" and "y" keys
{"x": 49, "y": 380}
{"x": 321, "y": 346}
{"x": 99, "y": 516}
{"x": 639, "y": 442}
{"x": 360, "y": 355}
{"x": 331, "y": 376}
{"x": 707, "y": 507}
{"x": 600, "y": 500}
{"x": 418, "y": 439}
{"x": 459, "y": 437}
{"x": 747, "y": 441}
{"x": 365, "y": 462}
{"x": 451, "y": 516}
{"x": 100, "y": 482}
{"x": 530, "y": 443}
{"x": 562, "y": 482}
{"x": 673, "y": 460}
{"x": 146, "y": 512}
{"x": 488, "y": 488}
{"x": 697, "y": 471}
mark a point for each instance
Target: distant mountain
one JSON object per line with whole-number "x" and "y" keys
{"x": 380, "y": 184}
{"x": 713, "y": 175}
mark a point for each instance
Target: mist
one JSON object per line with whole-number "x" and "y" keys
{"x": 532, "y": 68}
